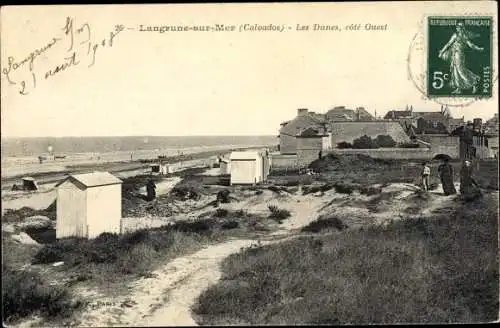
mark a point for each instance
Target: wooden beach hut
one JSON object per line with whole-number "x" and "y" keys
{"x": 88, "y": 205}
{"x": 248, "y": 167}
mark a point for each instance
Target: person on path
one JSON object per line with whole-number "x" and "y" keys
{"x": 426, "y": 172}
{"x": 468, "y": 186}
{"x": 445, "y": 171}
{"x": 150, "y": 189}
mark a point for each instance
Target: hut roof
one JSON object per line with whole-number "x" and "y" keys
{"x": 94, "y": 179}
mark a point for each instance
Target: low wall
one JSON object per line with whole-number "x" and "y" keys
{"x": 283, "y": 161}
{"x": 390, "y": 153}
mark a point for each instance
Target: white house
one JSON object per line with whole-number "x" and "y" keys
{"x": 88, "y": 205}
{"x": 248, "y": 167}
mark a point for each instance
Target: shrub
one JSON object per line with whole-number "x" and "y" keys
{"x": 25, "y": 293}
{"x": 278, "y": 214}
{"x": 385, "y": 141}
{"x": 325, "y": 223}
{"x": 230, "y": 225}
{"x": 221, "y": 212}
{"x": 223, "y": 196}
{"x": 369, "y": 190}
{"x": 409, "y": 145}
{"x": 344, "y": 145}
{"x": 344, "y": 188}
{"x": 364, "y": 142}
{"x": 51, "y": 253}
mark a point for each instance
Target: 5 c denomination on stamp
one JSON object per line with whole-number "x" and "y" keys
{"x": 459, "y": 57}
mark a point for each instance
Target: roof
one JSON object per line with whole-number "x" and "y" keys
{"x": 348, "y": 131}
{"x": 28, "y": 179}
{"x": 300, "y": 123}
{"x": 363, "y": 114}
{"x": 395, "y": 114}
{"x": 431, "y": 116}
{"x": 341, "y": 113}
{"x": 311, "y": 132}
{"x": 94, "y": 179}
{"x": 235, "y": 155}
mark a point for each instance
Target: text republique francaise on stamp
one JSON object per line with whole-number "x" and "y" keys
{"x": 459, "y": 57}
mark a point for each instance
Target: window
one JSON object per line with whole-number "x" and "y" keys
{"x": 434, "y": 124}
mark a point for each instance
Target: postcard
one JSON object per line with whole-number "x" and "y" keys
{"x": 249, "y": 164}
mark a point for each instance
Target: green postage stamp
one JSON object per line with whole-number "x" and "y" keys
{"x": 459, "y": 57}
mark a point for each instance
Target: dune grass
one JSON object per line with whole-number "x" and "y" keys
{"x": 431, "y": 270}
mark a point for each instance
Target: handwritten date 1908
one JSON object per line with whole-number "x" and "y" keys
{"x": 75, "y": 38}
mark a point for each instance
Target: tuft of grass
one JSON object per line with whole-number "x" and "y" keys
{"x": 278, "y": 214}
{"x": 221, "y": 212}
{"x": 344, "y": 188}
{"x": 25, "y": 293}
{"x": 130, "y": 253}
{"x": 442, "y": 269}
{"x": 325, "y": 223}
{"x": 18, "y": 215}
{"x": 230, "y": 225}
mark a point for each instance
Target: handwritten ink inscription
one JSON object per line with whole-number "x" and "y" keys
{"x": 73, "y": 37}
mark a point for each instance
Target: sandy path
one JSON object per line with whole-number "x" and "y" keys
{"x": 165, "y": 300}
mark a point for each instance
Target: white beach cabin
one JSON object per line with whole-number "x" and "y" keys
{"x": 88, "y": 205}
{"x": 248, "y": 167}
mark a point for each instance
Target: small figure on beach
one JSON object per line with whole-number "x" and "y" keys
{"x": 469, "y": 188}
{"x": 150, "y": 189}
{"x": 461, "y": 78}
{"x": 320, "y": 154}
{"x": 426, "y": 172}
{"x": 445, "y": 171}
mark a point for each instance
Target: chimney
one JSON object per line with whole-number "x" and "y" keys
{"x": 302, "y": 112}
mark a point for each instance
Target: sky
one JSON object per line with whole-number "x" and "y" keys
{"x": 213, "y": 83}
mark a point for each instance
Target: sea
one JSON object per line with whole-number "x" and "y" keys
{"x": 20, "y": 155}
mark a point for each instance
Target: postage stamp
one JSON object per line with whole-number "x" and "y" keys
{"x": 459, "y": 56}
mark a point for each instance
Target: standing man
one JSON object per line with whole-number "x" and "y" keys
{"x": 426, "y": 172}
{"x": 150, "y": 188}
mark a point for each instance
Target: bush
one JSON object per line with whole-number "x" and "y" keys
{"x": 385, "y": 141}
{"x": 221, "y": 212}
{"x": 344, "y": 188}
{"x": 323, "y": 223}
{"x": 278, "y": 214}
{"x": 223, "y": 196}
{"x": 344, "y": 145}
{"x": 25, "y": 293}
{"x": 230, "y": 225}
{"x": 369, "y": 190}
{"x": 364, "y": 142}
{"x": 409, "y": 145}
